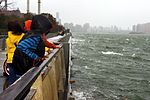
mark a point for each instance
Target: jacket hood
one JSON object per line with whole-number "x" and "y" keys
{"x": 40, "y": 23}
{"x": 12, "y": 37}
{"x": 27, "y": 25}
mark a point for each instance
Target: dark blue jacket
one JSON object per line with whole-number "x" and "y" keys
{"x": 29, "y": 49}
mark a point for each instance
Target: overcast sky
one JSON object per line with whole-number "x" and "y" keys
{"x": 122, "y": 13}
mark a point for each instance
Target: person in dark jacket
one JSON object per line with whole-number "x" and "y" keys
{"x": 30, "y": 51}
{"x": 48, "y": 44}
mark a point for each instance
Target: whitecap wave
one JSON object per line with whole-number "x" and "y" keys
{"x": 79, "y": 95}
{"x": 86, "y": 67}
{"x": 111, "y": 53}
{"x": 77, "y": 40}
{"x": 133, "y": 55}
{"x": 84, "y": 95}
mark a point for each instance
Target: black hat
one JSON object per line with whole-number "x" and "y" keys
{"x": 41, "y": 23}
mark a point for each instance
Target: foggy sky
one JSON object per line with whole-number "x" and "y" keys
{"x": 122, "y": 13}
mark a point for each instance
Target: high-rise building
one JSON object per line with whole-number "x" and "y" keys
{"x": 57, "y": 15}
{"x": 57, "y": 18}
{"x": 144, "y": 28}
{"x": 134, "y": 28}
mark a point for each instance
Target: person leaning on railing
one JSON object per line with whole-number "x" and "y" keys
{"x": 30, "y": 51}
{"x": 48, "y": 45}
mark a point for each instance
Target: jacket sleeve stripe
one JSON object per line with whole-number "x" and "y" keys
{"x": 28, "y": 46}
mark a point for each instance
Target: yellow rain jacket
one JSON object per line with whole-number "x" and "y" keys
{"x": 11, "y": 43}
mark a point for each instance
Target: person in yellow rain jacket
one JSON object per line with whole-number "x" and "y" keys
{"x": 15, "y": 34}
{"x": 11, "y": 43}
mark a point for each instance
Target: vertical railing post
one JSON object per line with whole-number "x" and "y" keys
{"x": 66, "y": 59}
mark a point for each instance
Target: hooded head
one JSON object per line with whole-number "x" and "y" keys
{"x": 27, "y": 25}
{"x": 15, "y": 27}
{"x": 41, "y": 24}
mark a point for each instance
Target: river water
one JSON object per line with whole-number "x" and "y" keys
{"x": 111, "y": 66}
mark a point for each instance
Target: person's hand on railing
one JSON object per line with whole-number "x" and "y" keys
{"x": 38, "y": 60}
{"x": 46, "y": 56}
{"x": 57, "y": 46}
{"x": 49, "y": 51}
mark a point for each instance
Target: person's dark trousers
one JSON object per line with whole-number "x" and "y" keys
{"x": 12, "y": 75}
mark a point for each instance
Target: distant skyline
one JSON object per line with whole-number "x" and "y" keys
{"x": 122, "y": 13}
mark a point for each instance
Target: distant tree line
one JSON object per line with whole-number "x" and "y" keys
{"x": 5, "y": 18}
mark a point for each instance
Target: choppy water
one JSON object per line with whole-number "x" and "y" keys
{"x": 111, "y": 66}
